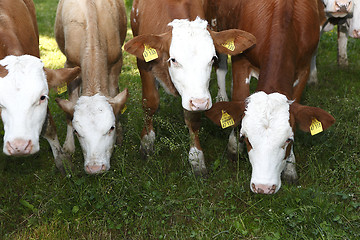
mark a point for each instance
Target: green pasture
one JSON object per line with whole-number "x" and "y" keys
{"x": 160, "y": 198}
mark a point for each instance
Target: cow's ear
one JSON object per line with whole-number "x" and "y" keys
{"x": 136, "y": 46}
{"x": 304, "y": 116}
{"x": 234, "y": 109}
{"x": 66, "y": 106}
{"x": 59, "y": 76}
{"x": 118, "y": 102}
{"x": 233, "y": 41}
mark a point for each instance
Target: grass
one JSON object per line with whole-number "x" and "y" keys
{"x": 159, "y": 198}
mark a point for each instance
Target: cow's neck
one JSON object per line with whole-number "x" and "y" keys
{"x": 279, "y": 61}
{"x": 94, "y": 74}
{"x": 94, "y": 59}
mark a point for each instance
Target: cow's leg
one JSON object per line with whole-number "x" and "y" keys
{"x": 196, "y": 155}
{"x": 62, "y": 161}
{"x": 342, "y": 45}
{"x": 221, "y": 78}
{"x": 114, "y": 74}
{"x": 73, "y": 89}
{"x": 313, "y": 70}
{"x": 150, "y": 103}
{"x": 289, "y": 174}
{"x": 241, "y": 70}
{"x": 302, "y": 80}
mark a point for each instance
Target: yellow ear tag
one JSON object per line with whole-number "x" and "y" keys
{"x": 149, "y": 53}
{"x": 315, "y": 127}
{"x": 226, "y": 120}
{"x": 124, "y": 109}
{"x": 229, "y": 44}
{"x": 62, "y": 88}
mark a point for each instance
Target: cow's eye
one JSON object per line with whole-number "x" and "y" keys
{"x": 174, "y": 62}
{"x": 43, "y": 97}
{"x": 76, "y": 133}
{"x": 111, "y": 129}
{"x": 288, "y": 141}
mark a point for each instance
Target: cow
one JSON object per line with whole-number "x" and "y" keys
{"x": 25, "y": 83}
{"x": 287, "y": 35}
{"x": 91, "y": 33}
{"x": 346, "y": 15}
{"x": 182, "y": 51}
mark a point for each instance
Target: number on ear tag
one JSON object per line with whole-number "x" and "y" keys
{"x": 62, "y": 88}
{"x": 226, "y": 120}
{"x": 229, "y": 44}
{"x": 149, "y": 53}
{"x": 315, "y": 127}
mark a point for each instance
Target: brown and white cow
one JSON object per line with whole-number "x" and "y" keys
{"x": 91, "y": 33}
{"x": 287, "y": 34}
{"x": 185, "y": 51}
{"x": 25, "y": 83}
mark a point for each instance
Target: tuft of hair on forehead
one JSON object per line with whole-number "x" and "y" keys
{"x": 25, "y": 65}
{"x": 96, "y": 106}
{"x": 181, "y": 25}
{"x": 22, "y": 63}
{"x": 267, "y": 112}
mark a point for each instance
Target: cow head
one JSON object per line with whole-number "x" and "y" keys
{"x": 267, "y": 128}
{"x": 24, "y": 89}
{"x": 190, "y": 50}
{"x": 338, "y": 8}
{"x": 94, "y": 123}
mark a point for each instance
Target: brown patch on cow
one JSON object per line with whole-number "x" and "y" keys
{"x": 248, "y": 144}
{"x": 3, "y": 72}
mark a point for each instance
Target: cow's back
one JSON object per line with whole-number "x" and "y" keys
{"x": 152, "y": 16}
{"x": 110, "y": 27}
{"x": 287, "y": 31}
{"x": 18, "y": 28}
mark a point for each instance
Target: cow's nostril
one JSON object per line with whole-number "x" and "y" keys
{"x": 19, "y": 147}
{"x": 95, "y": 169}
{"x": 263, "y": 189}
{"x": 199, "y": 104}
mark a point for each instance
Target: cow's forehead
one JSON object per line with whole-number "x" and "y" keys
{"x": 26, "y": 77}
{"x": 25, "y": 64}
{"x": 93, "y": 112}
{"x": 267, "y": 117}
{"x": 191, "y": 38}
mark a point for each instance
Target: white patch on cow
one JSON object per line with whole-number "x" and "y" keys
{"x": 342, "y": 47}
{"x": 221, "y": 72}
{"x": 289, "y": 172}
{"x": 266, "y": 125}
{"x": 254, "y": 74}
{"x": 69, "y": 144}
{"x": 197, "y": 160}
{"x": 296, "y": 82}
{"x": 23, "y": 101}
{"x": 234, "y": 146}
{"x": 191, "y": 57}
{"x": 94, "y": 123}
{"x": 147, "y": 141}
